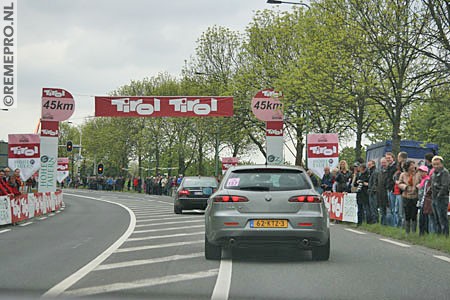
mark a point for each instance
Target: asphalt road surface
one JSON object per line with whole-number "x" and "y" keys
{"x": 121, "y": 245}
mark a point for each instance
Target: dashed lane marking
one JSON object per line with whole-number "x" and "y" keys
{"x": 5, "y": 230}
{"x": 444, "y": 258}
{"x": 355, "y": 231}
{"x": 167, "y": 223}
{"x": 153, "y": 237}
{"x": 131, "y": 249}
{"x": 395, "y": 243}
{"x": 51, "y": 215}
{"x": 167, "y": 229}
{"x": 26, "y": 224}
{"x": 177, "y": 217}
{"x": 42, "y": 218}
{"x": 120, "y": 286}
{"x": 141, "y": 262}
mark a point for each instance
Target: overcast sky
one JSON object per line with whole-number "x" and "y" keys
{"x": 92, "y": 47}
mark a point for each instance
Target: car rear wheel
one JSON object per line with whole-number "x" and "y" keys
{"x": 177, "y": 210}
{"x": 212, "y": 251}
{"x": 321, "y": 252}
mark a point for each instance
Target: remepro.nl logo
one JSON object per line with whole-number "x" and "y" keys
{"x": 8, "y": 28}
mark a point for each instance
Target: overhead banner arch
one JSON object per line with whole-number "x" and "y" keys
{"x": 162, "y": 106}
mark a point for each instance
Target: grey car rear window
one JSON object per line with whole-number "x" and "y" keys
{"x": 267, "y": 180}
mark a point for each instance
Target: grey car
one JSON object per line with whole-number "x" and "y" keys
{"x": 267, "y": 205}
{"x": 193, "y": 193}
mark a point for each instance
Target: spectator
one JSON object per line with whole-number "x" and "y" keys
{"x": 129, "y": 184}
{"x": 315, "y": 180}
{"x": 355, "y": 172}
{"x": 428, "y": 158}
{"x": 362, "y": 194}
{"x": 424, "y": 203}
{"x": 382, "y": 195}
{"x": 14, "y": 185}
{"x": 397, "y": 209}
{"x": 327, "y": 180}
{"x": 4, "y": 188}
{"x": 342, "y": 177}
{"x": 372, "y": 190}
{"x": 7, "y": 174}
{"x": 440, "y": 187}
{"x": 390, "y": 183}
{"x": 408, "y": 182}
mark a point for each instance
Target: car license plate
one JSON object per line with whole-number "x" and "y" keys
{"x": 268, "y": 223}
{"x": 198, "y": 193}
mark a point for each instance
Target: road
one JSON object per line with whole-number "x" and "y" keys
{"x": 137, "y": 248}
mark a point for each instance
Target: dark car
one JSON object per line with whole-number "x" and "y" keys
{"x": 193, "y": 193}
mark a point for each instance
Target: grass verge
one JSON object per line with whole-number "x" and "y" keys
{"x": 433, "y": 240}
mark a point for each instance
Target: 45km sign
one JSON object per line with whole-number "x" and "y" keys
{"x": 266, "y": 105}
{"x": 57, "y": 104}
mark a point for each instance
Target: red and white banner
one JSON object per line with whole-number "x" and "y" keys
{"x": 274, "y": 142}
{"x": 57, "y": 104}
{"x": 266, "y": 105}
{"x": 228, "y": 162}
{"x": 27, "y": 206}
{"x": 163, "y": 106}
{"x": 50, "y": 128}
{"x": 322, "y": 151}
{"x": 24, "y": 153}
{"x": 63, "y": 169}
{"x": 342, "y": 207}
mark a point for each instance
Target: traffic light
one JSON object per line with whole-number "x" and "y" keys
{"x": 100, "y": 169}
{"x": 69, "y": 146}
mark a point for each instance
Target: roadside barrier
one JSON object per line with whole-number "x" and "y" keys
{"x": 341, "y": 206}
{"x": 15, "y": 209}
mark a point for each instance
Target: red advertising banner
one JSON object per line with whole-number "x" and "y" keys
{"x": 57, "y": 104}
{"x": 163, "y": 106}
{"x": 21, "y": 208}
{"x": 24, "y": 154}
{"x": 341, "y": 206}
{"x": 228, "y": 162}
{"x": 274, "y": 128}
{"x": 49, "y": 128}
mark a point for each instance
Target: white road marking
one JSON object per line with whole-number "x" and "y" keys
{"x": 153, "y": 237}
{"x": 131, "y": 249}
{"x": 75, "y": 277}
{"x": 355, "y": 231}
{"x": 444, "y": 258}
{"x": 5, "y": 230}
{"x": 25, "y": 224}
{"x": 138, "y": 211}
{"x": 395, "y": 243}
{"x": 43, "y": 218}
{"x": 51, "y": 215}
{"x": 167, "y": 223}
{"x": 164, "y": 214}
{"x": 58, "y": 211}
{"x": 165, "y": 202}
{"x": 62, "y": 208}
{"x": 141, "y": 262}
{"x": 174, "y": 217}
{"x": 223, "y": 281}
{"x": 167, "y": 229}
{"x": 120, "y": 286}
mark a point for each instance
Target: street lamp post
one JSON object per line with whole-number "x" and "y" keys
{"x": 287, "y": 2}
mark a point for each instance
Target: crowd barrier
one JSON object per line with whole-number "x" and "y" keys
{"x": 342, "y": 206}
{"x": 14, "y": 209}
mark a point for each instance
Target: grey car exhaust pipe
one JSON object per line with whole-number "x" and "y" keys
{"x": 305, "y": 242}
{"x": 232, "y": 242}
